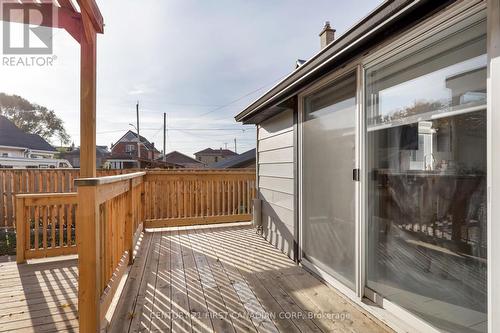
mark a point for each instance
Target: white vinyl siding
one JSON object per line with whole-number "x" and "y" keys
{"x": 276, "y": 180}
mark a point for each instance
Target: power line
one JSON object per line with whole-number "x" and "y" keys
{"x": 241, "y": 97}
{"x": 209, "y": 129}
{"x": 184, "y": 129}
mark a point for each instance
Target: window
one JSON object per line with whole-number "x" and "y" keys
{"x": 5, "y": 154}
{"x": 130, "y": 148}
{"x": 426, "y": 191}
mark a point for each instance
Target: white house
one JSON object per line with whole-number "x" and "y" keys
{"x": 16, "y": 143}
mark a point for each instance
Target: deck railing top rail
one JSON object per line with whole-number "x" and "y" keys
{"x": 108, "y": 179}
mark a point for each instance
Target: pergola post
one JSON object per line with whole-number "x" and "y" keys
{"x": 88, "y": 207}
{"x": 88, "y": 99}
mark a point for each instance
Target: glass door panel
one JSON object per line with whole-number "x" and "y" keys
{"x": 329, "y": 137}
{"x": 426, "y": 182}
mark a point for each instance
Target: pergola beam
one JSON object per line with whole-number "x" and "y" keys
{"x": 94, "y": 14}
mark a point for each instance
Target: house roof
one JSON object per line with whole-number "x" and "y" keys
{"x": 176, "y": 157}
{"x": 11, "y": 135}
{"x": 390, "y": 18}
{"x": 101, "y": 151}
{"x": 131, "y": 136}
{"x": 218, "y": 152}
{"x": 235, "y": 161}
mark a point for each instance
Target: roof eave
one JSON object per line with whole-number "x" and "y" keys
{"x": 362, "y": 32}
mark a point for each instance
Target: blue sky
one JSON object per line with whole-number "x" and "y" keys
{"x": 188, "y": 58}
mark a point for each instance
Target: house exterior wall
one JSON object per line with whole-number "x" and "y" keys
{"x": 275, "y": 149}
{"x": 210, "y": 158}
{"x": 11, "y": 152}
{"x": 120, "y": 148}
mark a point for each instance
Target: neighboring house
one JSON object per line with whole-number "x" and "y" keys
{"x": 209, "y": 155}
{"x": 185, "y": 161}
{"x": 73, "y": 156}
{"x": 374, "y": 160}
{"x": 16, "y": 143}
{"x": 124, "y": 153}
{"x": 127, "y": 145}
{"x": 244, "y": 160}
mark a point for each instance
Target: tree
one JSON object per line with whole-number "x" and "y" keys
{"x": 33, "y": 118}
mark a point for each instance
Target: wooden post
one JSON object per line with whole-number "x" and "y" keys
{"x": 89, "y": 257}
{"x": 143, "y": 202}
{"x": 20, "y": 231}
{"x": 88, "y": 208}
{"x": 129, "y": 224}
{"x": 88, "y": 99}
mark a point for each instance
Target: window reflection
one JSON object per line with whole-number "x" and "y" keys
{"x": 426, "y": 156}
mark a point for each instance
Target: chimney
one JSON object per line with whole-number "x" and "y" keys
{"x": 327, "y": 35}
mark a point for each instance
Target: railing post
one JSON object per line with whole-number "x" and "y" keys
{"x": 20, "y": 231}
{"x": 89, "y": 259}
{"x": 142, "y": 214}
{"x": 129, "y": 223}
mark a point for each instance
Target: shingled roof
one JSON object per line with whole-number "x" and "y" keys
{"x": 217, "y": 152}
{"x": 12, "y": 136}
{"x": 131, "y": 136}
{"x": 180, "y": 158}
{"x": 236, "y": 161}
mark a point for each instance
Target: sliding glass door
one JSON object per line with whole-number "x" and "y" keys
{"x": 328, "y": 196}
{"x": 426, "y": 179}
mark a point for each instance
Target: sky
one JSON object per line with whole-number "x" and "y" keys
{"x": 199, "y": 61}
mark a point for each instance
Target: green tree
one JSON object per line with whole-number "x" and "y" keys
{"x": 33, "y": 118}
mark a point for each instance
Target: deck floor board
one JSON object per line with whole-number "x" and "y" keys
{"x": 213, "y": 279}
{"x": 229, "y": 279}
{"x": 39, "y": 297}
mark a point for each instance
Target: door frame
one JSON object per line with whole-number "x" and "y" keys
{"x": 352, "y": 68}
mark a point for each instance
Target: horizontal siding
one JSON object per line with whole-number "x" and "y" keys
{"x": 284, "y": 200}
{"x": 278, "y": 124}
{"x": 284, "y": 155}
{"x": 284, "y": 185}
{"x": 282, "y": 170}
{"x": 276, "y": 180}
{"x": 277, "y": 142}
{"x": 277, "y": 227}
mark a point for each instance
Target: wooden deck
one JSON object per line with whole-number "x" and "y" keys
{"x": 198, "y": 280}
{"x": 39, "y": 297}
{"x": 227, "y": 280}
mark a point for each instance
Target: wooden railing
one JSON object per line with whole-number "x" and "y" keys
{"x": 110, "y": 219}
{"x": 27, "y": 181}
{"x": 188, "y": 197}
{"x": 45, "y": 225}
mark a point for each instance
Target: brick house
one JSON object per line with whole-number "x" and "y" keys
{"x": 127, "y": 145}
{"x": 124, "y": 153}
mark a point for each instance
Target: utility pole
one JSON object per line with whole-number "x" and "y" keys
{"x": 164, "y": 136}
{"x": 225, "y": 145}
{"x": 235, "y": 150}
{"x": 138, "y": 135}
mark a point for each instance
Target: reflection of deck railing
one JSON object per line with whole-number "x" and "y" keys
{"x": 179, "y": 197}
{"x": 45, "y": 225}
